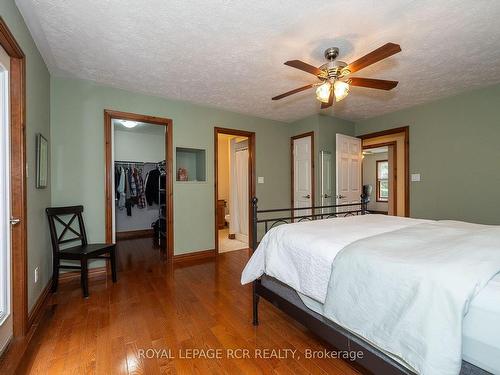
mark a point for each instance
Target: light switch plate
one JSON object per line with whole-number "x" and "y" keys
{"x": 260, "y": 180}
{"x": 415, "y": 177}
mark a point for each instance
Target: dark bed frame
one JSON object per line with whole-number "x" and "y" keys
{"x": 373, "y": 360}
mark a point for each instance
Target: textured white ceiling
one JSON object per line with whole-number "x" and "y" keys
{"x": 229, "y": 53}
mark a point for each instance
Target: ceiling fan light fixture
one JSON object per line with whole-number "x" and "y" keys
{"x": 323, "y": 92}
{"x": 341, "y": 90}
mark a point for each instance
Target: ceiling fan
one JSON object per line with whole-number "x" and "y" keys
{"x": 334, "y": 75}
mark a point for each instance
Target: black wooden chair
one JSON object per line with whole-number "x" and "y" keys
{"x": 82, "y": 252}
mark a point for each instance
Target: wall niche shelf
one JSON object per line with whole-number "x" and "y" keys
{"x": 191, "y": 164}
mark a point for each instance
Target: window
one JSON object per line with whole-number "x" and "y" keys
{"x": 382, "y": 181}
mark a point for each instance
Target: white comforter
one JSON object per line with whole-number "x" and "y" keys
{"x": 402, "y": 284}
{"x": 301, "y": 254}
{"x": 407, "y": 291}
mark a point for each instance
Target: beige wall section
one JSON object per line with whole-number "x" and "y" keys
{"x": 37, "y": 121}
{"x": 223, "y": 166}
{"x": 401, "y": 180}
{"x": 77, "y": 154}
{"x": 370, "y": 178}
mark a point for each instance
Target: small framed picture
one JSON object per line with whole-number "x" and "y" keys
{"x": 42, "y": 161}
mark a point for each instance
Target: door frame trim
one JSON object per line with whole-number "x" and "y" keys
{"x": 292, "y": 167}
{"x": 251, "y": 175}
{"x": 406, "y": 131}
{"x": 17, "y": 98}
{"x": 168, "y": 123}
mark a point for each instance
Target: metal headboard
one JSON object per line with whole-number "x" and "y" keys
{"x": 277, "y": 216}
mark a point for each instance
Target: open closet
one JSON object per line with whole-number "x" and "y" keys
{"x": 140, "y": 200}
{"x": 139, "y": 182}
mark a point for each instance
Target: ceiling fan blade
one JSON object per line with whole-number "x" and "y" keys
{"x": 380, "y": 84}
{"x": 381, "y": 53}
{"x": 293, "y": 92}
{"x": 330, "y": 101}
{"x": 304, "y": 67}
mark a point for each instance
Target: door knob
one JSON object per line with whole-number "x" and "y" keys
{"x": 14, "y": 220}
{"x": 340, "y": 196}
{"x": 326, "y": 196}
{"x": 307, "y": 196}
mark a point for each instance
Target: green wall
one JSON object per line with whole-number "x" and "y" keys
{"x": 325, "y": 129}
{"x": 77, "y": 155}
{"x": 37, "y": 121}
{"x": 455, "y": 146}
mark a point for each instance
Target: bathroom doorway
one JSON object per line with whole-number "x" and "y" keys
{"x": 234, "y": 188}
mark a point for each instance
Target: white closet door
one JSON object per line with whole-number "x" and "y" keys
{"x": 348, "y": 169}
{"x": 326, "y": 180}
{"x": 302, "y": 174}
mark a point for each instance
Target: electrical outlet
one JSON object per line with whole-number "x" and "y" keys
{"x": 36, "y": 275}
{"x": 415, "y": 177}
{"x": 260, "y": 180}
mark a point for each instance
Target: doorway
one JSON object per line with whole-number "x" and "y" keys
{"x": 302, "y": 156}
{"x": 397, "y": 140}
{"x": 380, "y": 178}
{"x": 14, "y": 322}
{"x": 139, "y": 200}
{"x": 234, "y": 188}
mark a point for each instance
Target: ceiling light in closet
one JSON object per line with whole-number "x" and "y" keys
{"x": 129, "y": 124}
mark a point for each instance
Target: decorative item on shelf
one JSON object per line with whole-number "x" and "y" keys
{"x": 182, "y": 174}
{"x": 42, "y": 161}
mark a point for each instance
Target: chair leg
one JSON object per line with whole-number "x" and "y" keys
{"x": 55, "y": 274}
{"x": 112, "y": 256}
{"x": 85, "y": 277}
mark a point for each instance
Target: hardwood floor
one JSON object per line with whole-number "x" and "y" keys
{"x": 158, "y": 306}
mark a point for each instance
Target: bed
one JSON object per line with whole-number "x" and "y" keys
{"x": 430, "y": 275}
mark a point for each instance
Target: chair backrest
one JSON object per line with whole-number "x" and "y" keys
{"x": 60, "y": 215}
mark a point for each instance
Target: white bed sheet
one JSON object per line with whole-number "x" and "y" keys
{"x": 481, "y": 329}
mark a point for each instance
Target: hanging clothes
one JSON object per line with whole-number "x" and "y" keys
{"x": 153, "y": 187}
{"x": 120, "y": 191}
{"x": 141, "y": 196}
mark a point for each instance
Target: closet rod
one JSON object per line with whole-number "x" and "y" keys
{"x": 135, "y": 162}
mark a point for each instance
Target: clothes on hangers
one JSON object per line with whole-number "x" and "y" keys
{"x": 128, "y": 189}
{"x": 120, "y": 190}
{"x": 153, "y": 186}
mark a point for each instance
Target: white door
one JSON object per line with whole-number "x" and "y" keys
{"x": 5, "y": 249}
{"x": 348, "y": 165}
{"x": 302, "y": 175}
{"x": 326, "y": 179}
